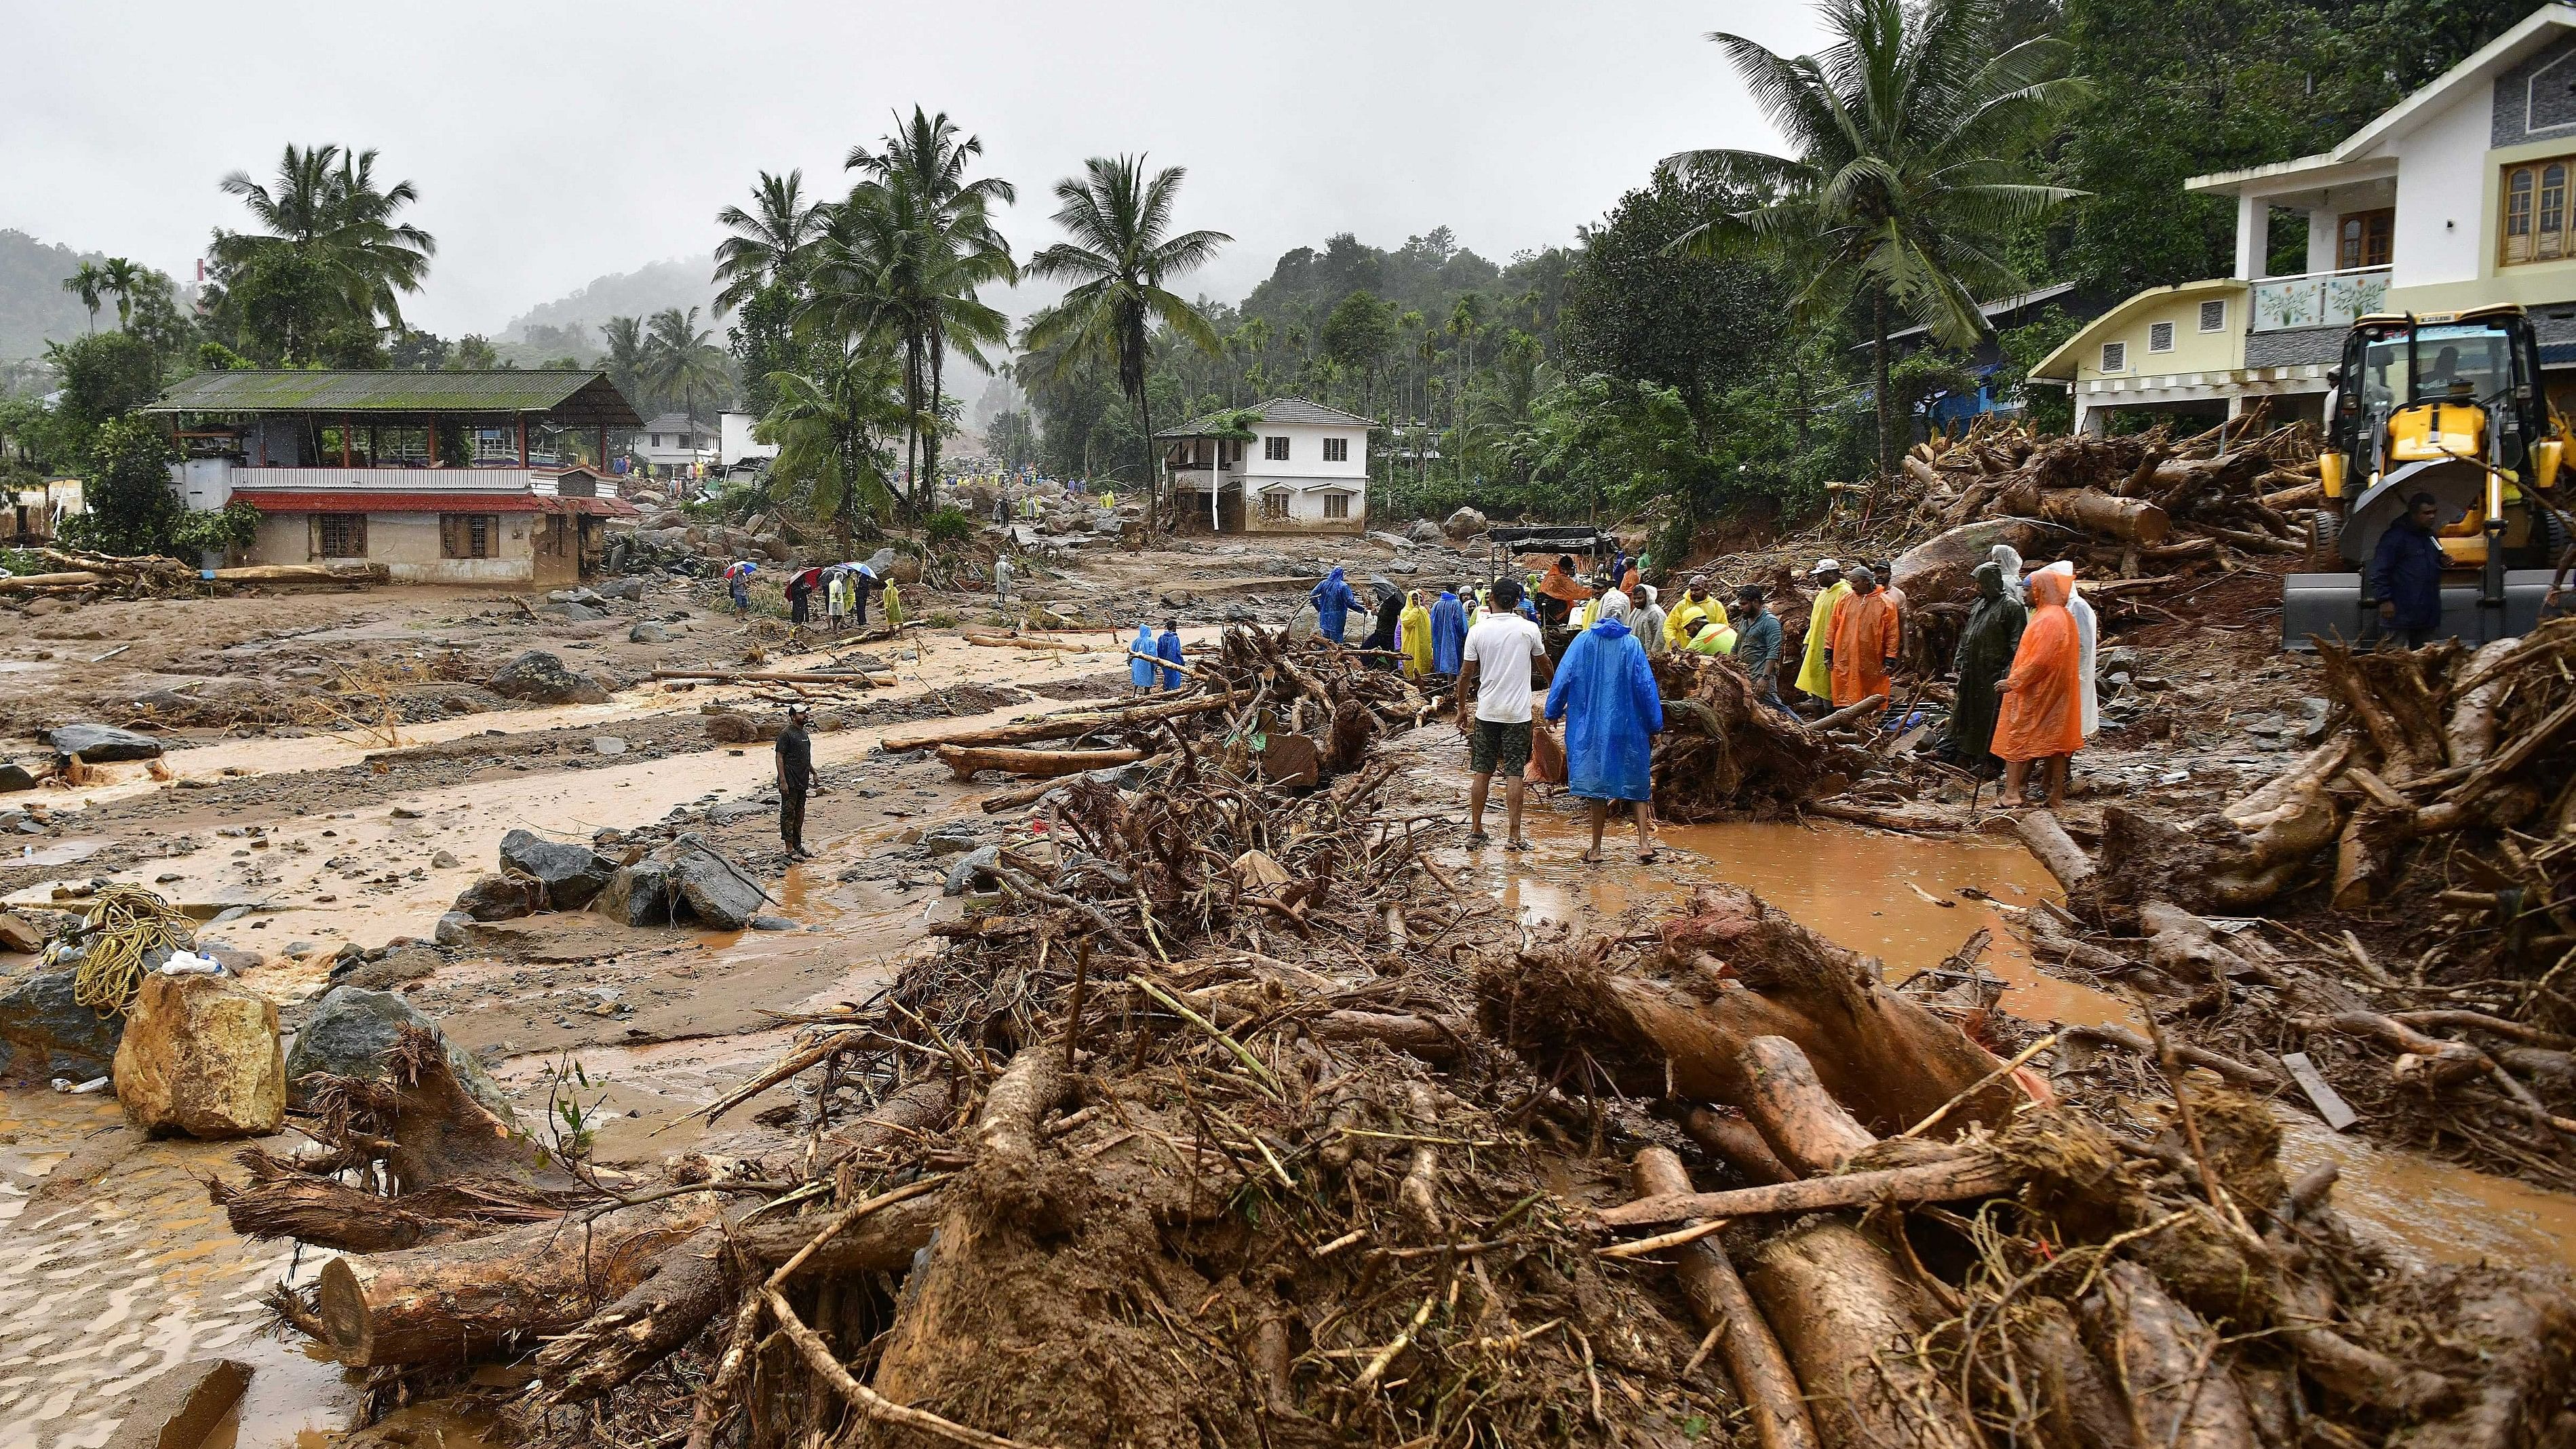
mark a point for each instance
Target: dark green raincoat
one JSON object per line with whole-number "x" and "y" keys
{"x": 1986, "y": 647}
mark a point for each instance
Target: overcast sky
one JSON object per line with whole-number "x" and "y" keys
{"x": 552, "y": 143}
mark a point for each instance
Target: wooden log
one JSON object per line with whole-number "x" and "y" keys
{"x": 2178, "y": 1391}
{"x": 1764, "y": 1382}
{"x": 684, "y": 1289}
{"x": 1053, "y": 726}
{"x": 2078, "y": 1406}
{"x": 1015, "y": 641}
{"x": 778, "y": 676}
{"x": 1031, "y": 764}
{"x": 2428, "y": 1058}
{"x": 2104, "y": 515}
{"x": 2310, "y": 494}
{"x": 458, "y": 1303}
{"x": 2052, "y": 847}
{"x": 2469, "y": 735}
{"x": 2316, "y": 767}
{"x": 1438, "y": 1040}
{"x": 24, "y": 583}
{"x": 2244, "y": 1075}
{"x": 1738, "y": 1143}
{"x": 1419, "y": 1193}
{"x": 1805, "y": 1126}
{"x": 1845, "y": 1318}
{"x": 1969, "y": 1175}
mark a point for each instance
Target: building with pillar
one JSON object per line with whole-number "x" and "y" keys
{"x": 440, "y": 477}
{"x": 2456, "y": 197}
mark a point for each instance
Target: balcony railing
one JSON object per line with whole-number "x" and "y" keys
{"x": 2318, "y": 299}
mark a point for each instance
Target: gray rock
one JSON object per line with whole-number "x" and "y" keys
{"x": 637, "y": 895}
{"x": 572, "y": 874}
{"x": 1426, "y": 531}
{"x": 627, "y": 589}
{"x": 573, "y": 596}
{"x": 103, "y": 744}
{"x": 609, "y": 745}
{"x": 444, "y": 860}
{"x": 353, "y": 1028}
{"x": 55, "y": 1035}
{"x": 453, "y": 929}
{"x": 969, "y": 867}
{"x": 772, "y": 923}
{"x": 16, "y": 777}
{"x": 714, "y": 889}
{"x": 538, "y": 677}
{"x": 2121, "y": 658}
{"x": 572, "y": 613}
{"x": 500, "y": 898}
{"x": 648, "y": 632}
{"x": 1465, "y": 523}
{"x": 949, "y": 839}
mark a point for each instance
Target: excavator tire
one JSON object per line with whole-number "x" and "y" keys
{"x": 2325, "y": 528}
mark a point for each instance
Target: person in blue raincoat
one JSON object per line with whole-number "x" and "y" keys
{"x": 1448, "y": 633}
{"x": 1168, "y": 649}
{"x": 1605, "y": 692}
{"x": 1333, "y": 604}
{"x": 1140, "y": 659}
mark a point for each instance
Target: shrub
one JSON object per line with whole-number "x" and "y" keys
{"x": 948, "y": 527}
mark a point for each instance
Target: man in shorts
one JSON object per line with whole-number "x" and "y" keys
{"x": 1498, "y": 664}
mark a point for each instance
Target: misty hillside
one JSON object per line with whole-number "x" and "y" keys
{"x": 34, "y": 308}
{"x": 571, "y": 324}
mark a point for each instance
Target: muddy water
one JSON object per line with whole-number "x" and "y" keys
{"x": 2445, "y": 1213}
{"x": 117, "y": 1282}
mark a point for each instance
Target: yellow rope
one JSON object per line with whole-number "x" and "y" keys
{"x": 125, "y": 924}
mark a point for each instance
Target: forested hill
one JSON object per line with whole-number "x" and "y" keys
{"x": 571, "y": 324}
{"x": 34, "y": 308}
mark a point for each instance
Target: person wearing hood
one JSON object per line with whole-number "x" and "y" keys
{"x": 2008, "y": 558}
{"x": 1413, "y": 637}
{"x": 1168, "y": 649}
{"x": 1605, "y": 692}
{"x": 1390, "y": 609}
{"x": 893, "y": 605}
{"x": 1333, "y": 604}
{"x": 1860, "y": 647}
{"x": 1448, "y": 633}
{"x": 2041, "y": 716}
{"x": 1814, "y": 677}
{"x": 1140, "y": 659}
{"x": 1649, "y": 620}
{"x": 1987, "y": 643}
{"x": 2087, "y": 639}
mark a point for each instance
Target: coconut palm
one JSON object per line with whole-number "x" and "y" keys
{"x": 682, "y": 362}
{"x": 125, "y": 279}
{"x": 1118, "y": 259}
{"x": 89, "y": 283}
{"x": 1899, "y": 190}
{"x": 626, "y": 357}
{"x": 919, "y": 182}
{"x": 329, "y": 225}
{"x": 832, "y": 427}
{"x": 770, "y": 243}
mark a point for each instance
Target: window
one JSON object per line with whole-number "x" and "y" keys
{"x": 2365, "y": 238}
{"x": 657, "y": 440}
{"x": 1337, "y": 505}
{"x": 340, "y": 535}
{"x": 467, "y": 535}
{"x": 2115, "y": 356}
{"x": 1274, "y": 505}
{"x": 2536, "y": 212}
{"x": 2213, "y": 316}
{"x": 2160, "y": 337}
{"x": 1275, "y": 449}
{"x": 1337, "y": 450}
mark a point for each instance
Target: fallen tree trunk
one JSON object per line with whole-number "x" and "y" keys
{"x": 1014, "y": 641}
{"x": 21, "y": 583}
{"x": 2049, "y": 843}
{"x": 1032, "y": 764}
{"x": 2179, "y": 1393}
{"x": 2104, "y": 515}
{"x": 1052, "y": 727}
{"x": 1763, "y": 1380}
{"x": 1806, "y": 1128}
{"x": 1843, "y": 1314}
{"x": 1969, "y": 1175}
{"x": 1738, "y": 1143}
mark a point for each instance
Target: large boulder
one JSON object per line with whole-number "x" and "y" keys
{"x": 200, "y": 1058}
{"x": 103, "y": 744}
{"x": 1426, "y": 531}
{"x": 15, "y": 776}
{"x": 538, "y": 677}
{"x": 353, "y": 1029}
{"x": 628, "y": 590}
{"x": 501, "y": 898}
{"x": 1464, "y": 524}
{"x": 637, "y": 895}
{"x": 53, "y": 1034}
{"x": 1942, "y": 569}
{"x": 571, "y": 874}
{"x": 712, "y": 888}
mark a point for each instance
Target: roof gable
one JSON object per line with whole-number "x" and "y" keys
{"x": 1281, "y": 411}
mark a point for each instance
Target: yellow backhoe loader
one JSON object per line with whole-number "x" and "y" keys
{"x": 2450, "y": 405}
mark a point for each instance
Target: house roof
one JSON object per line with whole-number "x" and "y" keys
{"x": 574, "y": 398}
{"x": 2540, "y": 28}
{"x": 673, "y": 423}
{"x": 1992, "y": 310}
{"x": 373, "y": 500}
{"x": 1276, "y": 410}
{"x": 2061, "y": 364}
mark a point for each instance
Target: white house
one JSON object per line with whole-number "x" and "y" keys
{"x": 669, "y": 442}
{"x": 1304, "y": 471}
{"x": 734, "y": 445}
{"x": 2456, "y": 197}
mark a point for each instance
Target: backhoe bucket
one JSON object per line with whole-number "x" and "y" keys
{"x": 2334, "y": 606}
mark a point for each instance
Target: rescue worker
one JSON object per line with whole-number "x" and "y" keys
{"x": 1605, "y": 692}
{"x": 2041, "y": 716}
{"x": 1649, "y": 620}
{"x": 1694, "y": 604}
{"x": 1562, "y": 590}
{"x": 1140, "y": 659}
{"x": 1860, "y": 645}
{"x": 1813, "y": 677}
{"x": 1002, "y": 574}
{"x": 1413, "y": 637}
{"x": 1711, "y": 638}
{"x": 2086, "y": 639}
{"x": 1987, "y": 643}
{"x": 795, "y": 755}
{"x": 1333, "y": 604}
{"x": 1448, "y": 633}
{"x": 2406, "y": 573}
{"x": 1168, "y": 649}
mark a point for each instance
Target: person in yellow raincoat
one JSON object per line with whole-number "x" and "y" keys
{"x": 1695, "y": 603}
{"x": 893, "y": 606}
{"x": 1413, "y": 636}
{"x": 1813, "y": 677}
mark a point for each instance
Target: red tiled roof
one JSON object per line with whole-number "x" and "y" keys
{"x": 373, "y": 501}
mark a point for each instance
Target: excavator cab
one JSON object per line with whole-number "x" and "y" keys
{"x": 2451, "y": 405}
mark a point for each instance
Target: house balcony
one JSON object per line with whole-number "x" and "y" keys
{"x": 2318, "y": 299}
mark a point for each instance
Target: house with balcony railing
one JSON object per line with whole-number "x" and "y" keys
{"x": 439, "y": 477}
{"x": 2456, "y": 197}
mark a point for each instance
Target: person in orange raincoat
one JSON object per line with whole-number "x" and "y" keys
{"x": 2042, "y": 713}
{"x": 1562, "y": 586}
{"x": 1860, "y": 642}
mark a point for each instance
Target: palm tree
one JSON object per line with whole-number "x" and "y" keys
{"x": 125, "y": 279}
{"x": 1465, "y": 321}
{"x": 682, "y": 362}
{"x": 626, "y": 357}
{"x": 920, "y": 178}
{"x": 327, "y": 213}
{"x": 830, "y": 425}
{"x": 89, "y": 284}
{"x": 768, "y": 245}
{"x": 1899, "y": 187}
{"x": 1118, "y": 261}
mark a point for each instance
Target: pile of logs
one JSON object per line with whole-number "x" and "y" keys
{"x": 83, "y": 575}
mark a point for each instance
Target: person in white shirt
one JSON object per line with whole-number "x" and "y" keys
{"x": 1499, "y": 661}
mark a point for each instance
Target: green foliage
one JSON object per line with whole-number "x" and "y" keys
{"x": 235, "y": 525}
{"x": 948, "y": 527}
{"x": 1637, "y": 307}
{"x": 764, "y": 341}
{"x": 1012, "y": 438}
{"x": 216, "y": 357}
{"x": 104, "y": 376}
{"x": 831, "y": 427}
{"x": 473, "y": 354}
{"x": 132, "y": 507}
{"x": 2048, "y": 409}
{"x": 324, "y": 276}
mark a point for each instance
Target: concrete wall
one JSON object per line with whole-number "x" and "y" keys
{"x": 2445, "y": 182}
{"x": 2193, "y": 350}
{"x": 1305, "y": 459}
{"x": 1306, "y": 509}
{"x": 407, "y": 544}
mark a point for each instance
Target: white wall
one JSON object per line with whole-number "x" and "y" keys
{"x": 2443, "y": 231}
{"x": 734, "y": 430}
{"x": 1306, "y": 453}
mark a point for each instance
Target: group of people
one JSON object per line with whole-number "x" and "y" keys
{"x": 2025, "y": 666}
{"x": 1148, "y": 655}
{"x": 843, "y": 588}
